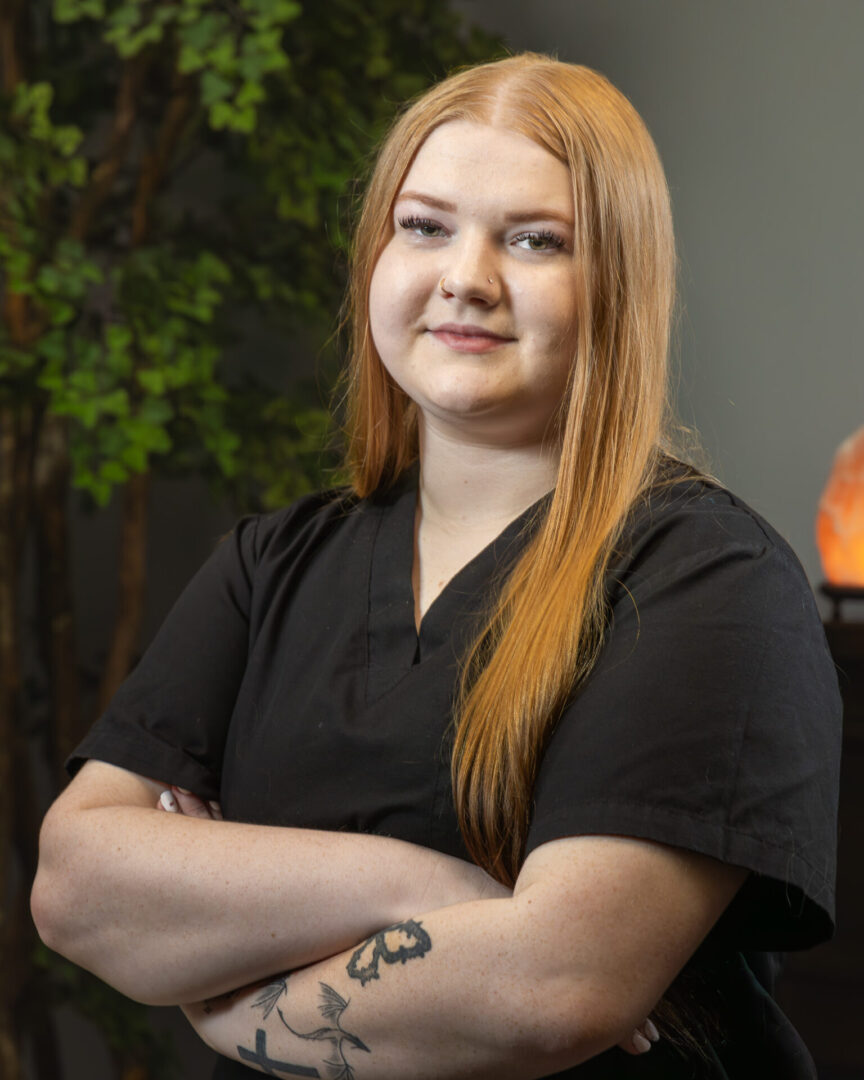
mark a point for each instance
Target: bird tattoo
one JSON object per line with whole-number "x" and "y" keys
{"x": 332, "y": 1006}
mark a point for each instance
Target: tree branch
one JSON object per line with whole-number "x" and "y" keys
{"x": 132, "y": 575}
{"x": 155, "y": 163}
{"x": 105, "y": 173}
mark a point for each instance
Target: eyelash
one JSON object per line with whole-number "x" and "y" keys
{"x": 550, "y": 238}
{"x": 414, "y": 223}
{"x": 553, "y": 241}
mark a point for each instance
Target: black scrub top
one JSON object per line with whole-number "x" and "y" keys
{"x": 289, "y": 682}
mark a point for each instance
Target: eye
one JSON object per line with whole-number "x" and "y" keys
{"x": 431, "y": 230}
{"x": 539, "y": 240}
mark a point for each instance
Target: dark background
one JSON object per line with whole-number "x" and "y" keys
{"x": 755, "y": 108}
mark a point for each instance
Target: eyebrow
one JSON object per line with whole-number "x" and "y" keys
{"x": 540, "y": 214}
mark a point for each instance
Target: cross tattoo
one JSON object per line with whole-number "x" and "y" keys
{"x": 270, "y": 1066}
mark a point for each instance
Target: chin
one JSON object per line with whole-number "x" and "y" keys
{"x": 485, "y": 421}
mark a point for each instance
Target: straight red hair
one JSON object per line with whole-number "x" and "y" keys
{"x": 541, "y": 638}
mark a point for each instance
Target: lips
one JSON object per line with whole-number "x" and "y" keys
{"x": 468, "y": 338}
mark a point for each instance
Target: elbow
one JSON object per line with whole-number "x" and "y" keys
{"x": 44, "y": 914}
{"x": 73, "y": 917}
{"x": 65, "y": 908}
{"x": 53, "y": 899}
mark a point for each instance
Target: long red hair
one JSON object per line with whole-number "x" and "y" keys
{"x": 542, "y": 636}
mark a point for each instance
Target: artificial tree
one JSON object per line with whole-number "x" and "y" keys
{"x": 172, "y": 172}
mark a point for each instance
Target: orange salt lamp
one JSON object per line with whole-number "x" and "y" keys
{"x": 840, "y": 521}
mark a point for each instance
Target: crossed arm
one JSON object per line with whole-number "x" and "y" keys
{"x": 179, "y": 909}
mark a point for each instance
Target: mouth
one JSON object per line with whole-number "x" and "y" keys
{"x": 468, "y": 338}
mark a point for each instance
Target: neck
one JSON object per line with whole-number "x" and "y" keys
{"x": 469, "y": 486}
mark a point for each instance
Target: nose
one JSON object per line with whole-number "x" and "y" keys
{"x": 471, "y": 274}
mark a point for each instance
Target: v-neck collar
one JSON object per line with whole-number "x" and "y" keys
{"x": 394, "y": 645}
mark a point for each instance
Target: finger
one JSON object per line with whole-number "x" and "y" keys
{"x": 190, "y": 804}
{"x": 168, "y": 802}
{"x": 636, "y": 1044}
{"x": 215, "y": 810}
{"x": 640, "y": 1043}
{"x": 641, "y": 1040}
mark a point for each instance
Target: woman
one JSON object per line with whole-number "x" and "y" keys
{"x": 646, "y": 717}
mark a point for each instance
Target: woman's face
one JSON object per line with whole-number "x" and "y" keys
{"x": 472, "y": 302}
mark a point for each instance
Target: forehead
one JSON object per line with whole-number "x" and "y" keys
{"x": 462, "y": 161}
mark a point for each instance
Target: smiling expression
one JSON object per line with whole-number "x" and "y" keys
{"x": 473, "y": 299}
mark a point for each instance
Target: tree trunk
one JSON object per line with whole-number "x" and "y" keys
{"x": 130, "y": 587}
{"x": 11, "y": 516}
{"x": 56, "y": 610}
{"x": 10, "y": 44}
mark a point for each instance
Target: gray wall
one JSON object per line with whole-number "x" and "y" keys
{"x": 756, "y": 107}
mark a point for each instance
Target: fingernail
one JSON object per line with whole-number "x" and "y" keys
{"x": 168, "y": 802}
{"x": 640, "y": 1042}
{"x": 651, "y": 1031}
{"x": 182, "y": 790}
{"x": 214, "y": 806}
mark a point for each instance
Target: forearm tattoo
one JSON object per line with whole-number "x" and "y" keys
{"x": 332, "y": 1007}
{"x": 394, "y": 945}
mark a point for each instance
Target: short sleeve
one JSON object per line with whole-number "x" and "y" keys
{"x": 712, "y": 720}
{"x": 169, "y": 719}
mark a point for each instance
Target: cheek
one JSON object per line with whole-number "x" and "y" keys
{"x": 550, "y": 316}
{"x": 398, "y": 296}
{"x": 379, "y": 310}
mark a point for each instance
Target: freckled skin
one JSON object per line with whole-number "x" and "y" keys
{"x": 512, "y": 388}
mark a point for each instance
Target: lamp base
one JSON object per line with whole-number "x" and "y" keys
{"x": 837, "y": 594}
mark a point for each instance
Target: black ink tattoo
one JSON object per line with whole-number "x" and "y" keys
{"x": 394, "y": 945}
{"x": 270, "y": 1066}
{"x": 271, "y": 993}
{"x": 332, "y": 1006}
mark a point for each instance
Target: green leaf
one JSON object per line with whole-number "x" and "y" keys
{"x": 127, "y": 16}
{"x": 190, "y": 60}
{"x": 77, "y": 175}
{"x": 67, "y": 139}
{"x": 118, "y": 337}
{"x": 223, "y": 56}
{"x": 48, "y": 279}
{"x": 114, "y": 472}
{"x": 378, "y": 67}
{"x": 214, "y": 88}
{"x": 251, "y": 93}
{"x": 60, "y": 313}
{"x": 152, "y": 380}
{"x": 200, "y": 31}
{"x": 114, "y": 404}
{"x": 51, "y": 346}
{"x": 221, "y": 115}
{"x": 67, "y": 11}
{"x": 154, "y": 412}
{"x": 243, "y": 120}
{"x": 135, "y": 457}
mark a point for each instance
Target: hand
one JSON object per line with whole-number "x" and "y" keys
{"x": 175, "y": 800}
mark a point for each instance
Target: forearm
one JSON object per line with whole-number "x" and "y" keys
{"x": 169, "y": 908}
{"x": 463, "y": 992}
